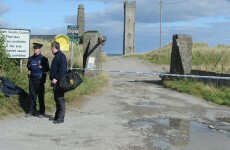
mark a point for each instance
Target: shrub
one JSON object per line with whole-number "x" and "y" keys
{"x": 8, "y": 67}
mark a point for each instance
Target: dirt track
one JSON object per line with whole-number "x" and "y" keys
{"x": 134, "y": 112}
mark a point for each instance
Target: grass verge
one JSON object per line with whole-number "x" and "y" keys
{"x": 16, "y": 104}
{"x": 218, "y": 95}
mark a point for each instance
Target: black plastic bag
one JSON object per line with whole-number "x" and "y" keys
{"x": 70, "y": 81}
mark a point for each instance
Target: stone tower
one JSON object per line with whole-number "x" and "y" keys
{"x": 81, "y": 20}
{"x": 129, "y": 27}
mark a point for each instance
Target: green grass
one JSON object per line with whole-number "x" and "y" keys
{"x": 218, "y": 95}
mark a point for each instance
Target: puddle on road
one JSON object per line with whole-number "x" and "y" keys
{"x": 223, "y": 125}
{"x": 224, "y": 119}
{"x": 175, "y": 133}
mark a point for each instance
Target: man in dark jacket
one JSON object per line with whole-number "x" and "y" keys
{"x": 38, "y": 65}
{"x": 58, "y": 68}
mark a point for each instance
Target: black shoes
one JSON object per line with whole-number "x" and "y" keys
{"x": 29, "y": 115}
{"x": 58, "y": 121}
{"x": 40, "y": 115}
{"x": 34, "y": 114}
{"x": 53, "y": 118}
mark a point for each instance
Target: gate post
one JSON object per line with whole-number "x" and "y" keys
{"x": 181, "y": 55}
{"x": 92, "y": 48}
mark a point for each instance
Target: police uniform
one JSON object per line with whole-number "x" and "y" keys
{"x": 38, "y": 65}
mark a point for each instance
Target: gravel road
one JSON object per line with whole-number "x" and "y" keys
{"x": 134, "y": 112}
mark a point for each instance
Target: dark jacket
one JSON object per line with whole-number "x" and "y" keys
{"x": 9, "y": 88}
{"x": 58, "y": 66}
{"x": 38, "y": 65}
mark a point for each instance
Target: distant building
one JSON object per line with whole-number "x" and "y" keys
{"x": 44, "y": 37}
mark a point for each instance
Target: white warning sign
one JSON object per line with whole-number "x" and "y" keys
{"x": 91, "y": 62}
{"x": 17, "y": 42}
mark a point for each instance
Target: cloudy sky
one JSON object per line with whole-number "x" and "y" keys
{"x": 205, "y": 20}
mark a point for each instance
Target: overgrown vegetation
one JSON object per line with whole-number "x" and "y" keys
{"x": 10, "y": 69}
{"x": 204, "y": 57}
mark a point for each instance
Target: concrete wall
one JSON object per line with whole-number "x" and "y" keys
{"x": 212, "y": 81}
{"x": 129, "y": 27}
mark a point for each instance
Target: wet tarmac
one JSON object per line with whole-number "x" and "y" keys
{"x": 174, "y": 134}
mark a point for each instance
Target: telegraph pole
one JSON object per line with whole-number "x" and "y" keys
{"x": 160, "y": 22}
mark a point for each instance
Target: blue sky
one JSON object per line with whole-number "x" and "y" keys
{"x": 205, "y": 20}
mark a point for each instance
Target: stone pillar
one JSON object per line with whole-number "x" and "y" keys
{"x": 129, "y": 27}
{"x": 92, "y": 47}
{"x": 81, "y": 20}
{"x": 181, "y": 56}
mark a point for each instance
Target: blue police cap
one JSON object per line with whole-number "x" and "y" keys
{"x": 37, "y": 45}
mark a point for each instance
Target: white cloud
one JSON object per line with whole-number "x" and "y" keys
{"x": 3, "y": 9}
{"x": 4, "y": 23}
{"x": 48, "y": 31}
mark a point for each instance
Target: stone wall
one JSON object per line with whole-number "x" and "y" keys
{"x": 181, "y": 56}
{"x": 212, "y": 81}
{"x": 92, "y": 47}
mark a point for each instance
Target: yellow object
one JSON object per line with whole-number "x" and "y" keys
{"x": 63, "y": 40}
{"x": 71, "y": 81}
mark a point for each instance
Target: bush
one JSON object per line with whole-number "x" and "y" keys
{"x": 8, "y": 67}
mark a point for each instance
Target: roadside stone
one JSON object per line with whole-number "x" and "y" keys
{"x": 181, "y": 56}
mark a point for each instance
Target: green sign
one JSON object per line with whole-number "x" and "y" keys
{"x": 72, "y": 31}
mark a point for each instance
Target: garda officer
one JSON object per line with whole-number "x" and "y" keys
{"x": 38, "y": 65}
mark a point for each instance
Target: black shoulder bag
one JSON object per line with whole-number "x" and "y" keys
{"x": 70, "y": 81}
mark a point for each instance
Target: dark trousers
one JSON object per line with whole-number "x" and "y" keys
{"x": 60, "y": 102}
{"x": 37, "y": 88}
